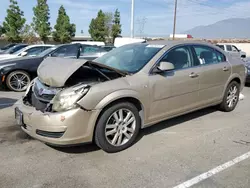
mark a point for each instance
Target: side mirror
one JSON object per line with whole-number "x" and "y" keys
{"x": 24, "y": 54}
{"x": 164, "y": 66}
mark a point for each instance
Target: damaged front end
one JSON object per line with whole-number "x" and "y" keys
{"x": 59, "y": 86}
{"x": 47, "y": 99}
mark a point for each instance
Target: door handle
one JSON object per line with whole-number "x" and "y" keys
{"x": 193, "y": 75}
{"x": 225, "y": 69}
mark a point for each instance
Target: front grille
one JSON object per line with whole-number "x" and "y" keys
{"x": 44, "y": 93}
{"x": 49, "y": 134}
{"x": 38, "y": 104}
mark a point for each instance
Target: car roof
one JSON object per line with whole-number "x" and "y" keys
{"x": 177, "y": 42}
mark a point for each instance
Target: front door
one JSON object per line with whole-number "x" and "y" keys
{"x": 174, "y": 92}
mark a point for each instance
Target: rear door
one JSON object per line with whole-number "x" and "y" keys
{"x": 214, "y": 74}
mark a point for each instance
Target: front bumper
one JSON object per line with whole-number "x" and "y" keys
{"x": 62, "y": 128}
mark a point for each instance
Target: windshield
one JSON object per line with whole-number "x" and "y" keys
{"x": 19, "y": 51}
{"x": 7, "y": 46}
{"x": 46, "y": 52}
{"x": 14, "y": 49}
{"x": 130, "y": 58}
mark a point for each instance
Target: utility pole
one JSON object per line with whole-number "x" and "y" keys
{"x": 132, "y": 19}
{"x": 175, "y": 11}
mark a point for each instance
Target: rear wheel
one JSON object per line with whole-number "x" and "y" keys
{"x": 117, "y": 127}
{"x": 18, "y": 81}
{"x": 231, "y": 97}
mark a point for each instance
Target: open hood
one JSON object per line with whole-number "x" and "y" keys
{"x": 54, "y": 71}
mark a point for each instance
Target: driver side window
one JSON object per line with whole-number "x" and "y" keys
{"x": 180, "y": 57}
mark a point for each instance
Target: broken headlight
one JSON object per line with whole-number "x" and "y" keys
{"x": 67, "y": 98}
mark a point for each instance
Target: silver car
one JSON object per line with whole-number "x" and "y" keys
{"x": 108, "y": 101}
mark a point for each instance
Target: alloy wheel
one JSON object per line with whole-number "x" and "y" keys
{"x": 19, "y": 81}
{"x": 232, "y": 96}
{"x": 120, "y": 127}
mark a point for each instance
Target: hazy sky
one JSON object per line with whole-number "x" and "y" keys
{"x": 158, "y": 13}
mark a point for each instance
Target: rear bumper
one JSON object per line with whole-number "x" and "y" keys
{"x": 62, "y": 129}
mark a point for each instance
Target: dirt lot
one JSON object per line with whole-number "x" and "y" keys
{"x": 165, "y": 155}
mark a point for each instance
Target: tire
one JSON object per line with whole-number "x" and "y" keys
{"x": 228, "y": 107}
{"x": 109, "y": 130}
{"x": 18, "y": 81}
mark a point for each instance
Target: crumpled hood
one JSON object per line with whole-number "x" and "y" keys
{"x": 54, "y": 71}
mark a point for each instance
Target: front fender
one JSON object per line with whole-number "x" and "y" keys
{"x": 116, "y": 96}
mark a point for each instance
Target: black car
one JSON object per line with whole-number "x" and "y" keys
{"x": 248, "y": 72}
{"x": 8, "y": 46}
{"x": 17, "y": 73}
{"x": 14, "y": 49}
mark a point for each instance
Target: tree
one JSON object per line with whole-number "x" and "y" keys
{"x": 116, "y": 27}
{"x": 41, "y": 22}
{"x": 97, "y": 27}
{"x": 14, "y": 22}
{"x": 28, "y": 34}
{"x": 2, "y": 31}
{"x": 64, "y": 30}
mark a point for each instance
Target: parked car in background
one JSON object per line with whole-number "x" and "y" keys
{"x": 108, "y": 48}
{"x": 32, "y": 50}
{"x": 91, "y": 52}
{"x": 17, "y": 73}
{"x": 110, "y": 99}
{"x": 95, "y": 43}
{"x": 14, "y": 49}
{"x": 7, "y": 47}
{"x": 232, "y": 49}
{"x": 248, "y": 72}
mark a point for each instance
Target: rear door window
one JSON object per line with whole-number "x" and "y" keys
{"x": 34, "y": 51}
{"x": 221, "y": 47}
{"x": 66, "y": 51}
{"x": 207, "y": 55}
{"x": 229, "y": 48}
{"x": 91, "y": 50}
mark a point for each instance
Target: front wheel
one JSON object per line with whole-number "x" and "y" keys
{"x": 117, "y": 127}
{"x": 18, "y": 81}
{"x": 231, "y": 97}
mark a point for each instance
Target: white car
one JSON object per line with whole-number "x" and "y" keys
{"x": 32, "y": 50}
{"x": 232, "y": 49}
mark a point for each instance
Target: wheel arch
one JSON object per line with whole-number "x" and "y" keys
{"x": 133, "y": 100}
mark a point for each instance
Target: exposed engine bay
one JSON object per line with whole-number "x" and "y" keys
{"x": 44, "y": 97}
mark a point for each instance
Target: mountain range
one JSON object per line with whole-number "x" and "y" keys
{"x": 227, "y": 29}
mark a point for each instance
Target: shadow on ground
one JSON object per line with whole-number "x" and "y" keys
{"x": 85, "y": 148}
{"x": 6, "y": 102}
{"x": 155, "y": 128}
{"x": 13, "y": 134}
{"x": 175, "y": 121}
